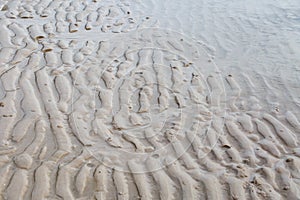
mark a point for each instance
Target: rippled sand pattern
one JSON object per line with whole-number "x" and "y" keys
{"x": 98, "y": 101}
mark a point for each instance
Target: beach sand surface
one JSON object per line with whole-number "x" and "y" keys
{"x": 146, "y": 100}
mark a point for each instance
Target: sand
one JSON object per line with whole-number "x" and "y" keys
{"x": 149, "y": 99}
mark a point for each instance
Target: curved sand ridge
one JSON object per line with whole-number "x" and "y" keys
{"x": 137, "y": 115}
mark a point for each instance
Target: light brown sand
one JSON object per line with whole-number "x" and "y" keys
{"x": 100, "y": 101}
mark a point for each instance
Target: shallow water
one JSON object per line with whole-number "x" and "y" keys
{"x": 257, "y": 39}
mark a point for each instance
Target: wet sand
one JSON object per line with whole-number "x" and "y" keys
{"x": 149, "y": 100}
